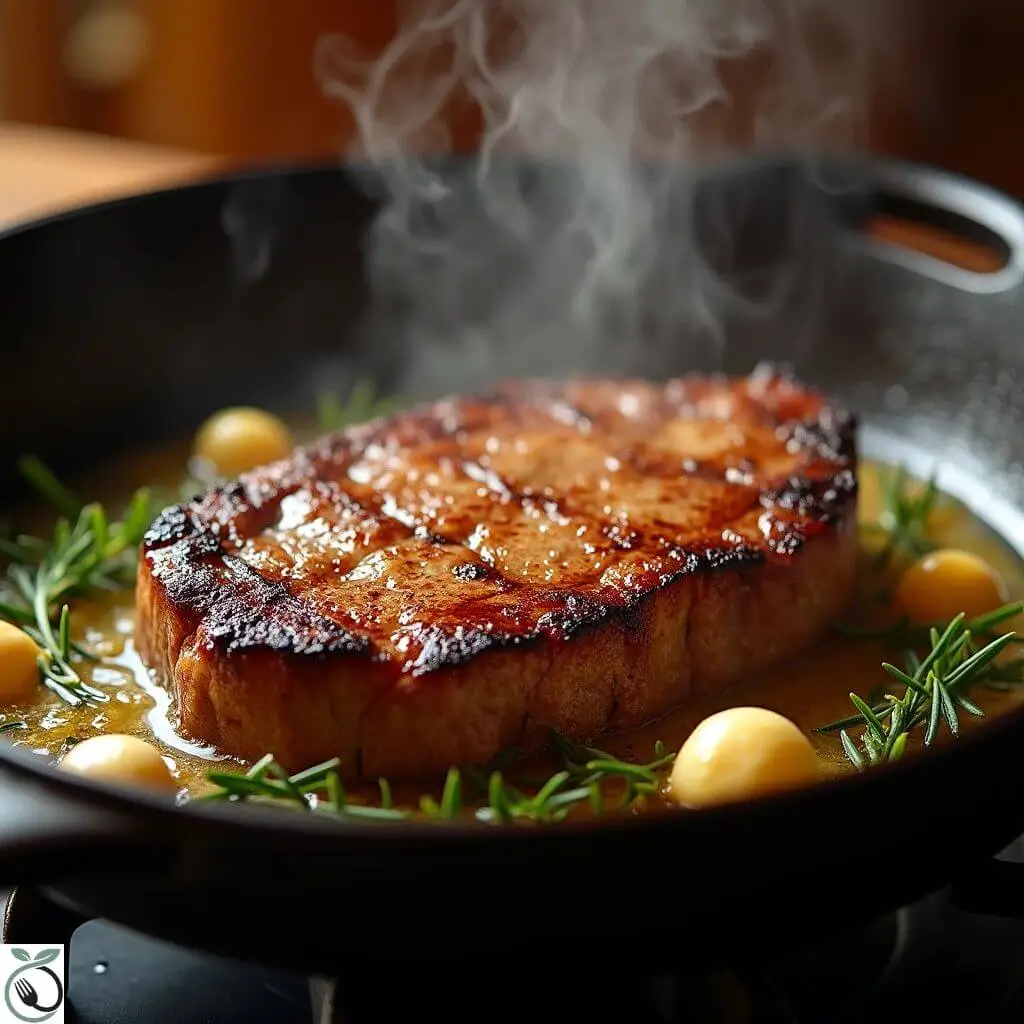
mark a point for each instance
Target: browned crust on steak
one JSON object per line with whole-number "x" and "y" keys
{"x": 427, "y": 589}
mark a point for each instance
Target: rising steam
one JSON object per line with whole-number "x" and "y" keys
{"x": 584, "y": 257}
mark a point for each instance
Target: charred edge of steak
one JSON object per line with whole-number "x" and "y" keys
{"x": 831, "y": 435}
{"x": 173, "y": 524}
{"x": 258, "y": 615}
{"x": 261, "y": 615}
{"x": 276, "y": 621}
{"x": 265, "y": 616}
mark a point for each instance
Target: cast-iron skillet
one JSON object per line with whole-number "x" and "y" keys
{"x": 132, "y": 320}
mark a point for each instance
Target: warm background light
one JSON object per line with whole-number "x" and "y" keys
{"x": 234, "y": 78}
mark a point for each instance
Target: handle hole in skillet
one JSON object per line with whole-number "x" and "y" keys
{"x": 940, "y": 234}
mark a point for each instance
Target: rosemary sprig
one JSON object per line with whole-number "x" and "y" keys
{"x": 41, "y": 477}
{"x": 486, "y": 793}
{"x": 904, "y": 634}
{"x": 87, "y": 552}
{"x": 589, "y": 766}
{"x": 363, "y": 403}
{"x": 906, "y": 508}
{"x": 935, "y": 690}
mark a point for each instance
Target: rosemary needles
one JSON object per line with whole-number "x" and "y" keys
{"x": 906, "y": 509}
{"x": 931, "y": 691}
{"x": 363, "y": 403}
{"x": 88, "y": 551}
{"x": 485, "y": 793}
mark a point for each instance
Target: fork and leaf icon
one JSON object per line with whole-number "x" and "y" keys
{"x": 20, "y": 987}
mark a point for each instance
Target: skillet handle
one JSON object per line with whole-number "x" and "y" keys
{"x": 938, "y": 199}
{"x": 994, "y": 888}
{"x": 47, "y": 834}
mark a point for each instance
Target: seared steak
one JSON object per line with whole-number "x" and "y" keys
{"x": 430, "y": 588}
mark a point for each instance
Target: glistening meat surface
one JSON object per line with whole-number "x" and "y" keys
{"x": 431, "y": 588}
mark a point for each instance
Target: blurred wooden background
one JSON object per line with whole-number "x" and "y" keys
{"x": 234, "y": 77}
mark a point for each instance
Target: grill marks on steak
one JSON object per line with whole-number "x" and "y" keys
{"x": 373, "y": 596}
{"x": 421, "y": 540}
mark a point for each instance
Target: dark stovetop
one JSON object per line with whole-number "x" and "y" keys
{"x": 927, "y": 961}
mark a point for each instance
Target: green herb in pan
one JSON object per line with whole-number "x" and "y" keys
{"x": 484, "y": 793}
{"x": 932, "y": 691}
{"x": 362, "y": 404}
{"x": 88, "y": 551}
{"x": 907, "y": 506}
{"x": 904, "y": 634}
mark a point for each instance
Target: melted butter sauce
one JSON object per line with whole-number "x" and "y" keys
{"x": 138, "y": 706}
{"x": 810, "y": 690}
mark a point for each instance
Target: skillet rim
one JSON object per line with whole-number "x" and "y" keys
{"x": 880, "y": 171}
{"x": 32, "y": 769}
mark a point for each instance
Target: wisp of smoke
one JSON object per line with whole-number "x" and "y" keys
{"x": 566, "y": 241}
